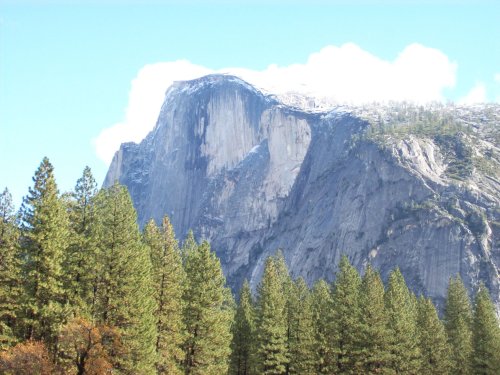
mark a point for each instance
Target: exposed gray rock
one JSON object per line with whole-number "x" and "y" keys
{"x": 252, "y": 175}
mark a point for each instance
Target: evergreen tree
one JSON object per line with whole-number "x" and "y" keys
{"x": 124, "y": 295}
{"x": 45, "y": 239}
{"x": 402, "y": 316}
{"x": 346, "y": 317}
{"x": 433, "y": 341}
{"x": 375, "y": 332}
{"x": 189, "y": 245}
{"x": 286, "y": 285}
{"x": 168, "y": 280}
{"x": 322, "y": 306}
{"x": 80, "y": 258}
{"x": 272, "y": 351}
{"x": 486, "y": 335}
{"x": 284, "y": 276}
{"x": 208, "y": 314}
{"x": 243, "y": 344}
{"x": 301, "y": 341}
{"x": 10, "y": 266}
{"x": 458, "y": 321}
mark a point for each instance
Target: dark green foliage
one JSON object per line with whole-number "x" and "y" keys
{"x": 444, "y": 126}
{"x": 486, "y": 335}
{"x": 375, "y": 333}
{"x": 45, "y": 240}
{"x": 477, "y": 223}
{"x": 286, "y": 283}
{"x": 458, "y": 322}
{"x": 10, "y": 271}
{"x": 405, "y": 119}
{"x": 272, "y": 325}
{"x": 99, "y": 298}
{"x": 322, "y": 306}
{"x": 188, "y": 246}
{"x": 402, "y": 314}
{"x": 458, "y": 155}
{"x": 208, "y": 313}
{"x": 434, "y": 346}
{"x": 80, "y": 257}
{"x": 243, "y": 344}
{"x": 346, "y": 318}
{"x": 283, "y": 274}
{"x": 124, "y": 296}
{"x": 301, "y": 338}
{"x": 168, "y": 280}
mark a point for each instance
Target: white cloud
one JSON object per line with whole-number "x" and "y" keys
{"x": 345, "y": 74}
{"x": 476, "y": 95}
{"x": 145, "y": 99}
{"x": 350, "y": 74}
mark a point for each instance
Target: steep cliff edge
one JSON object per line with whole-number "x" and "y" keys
{"x": 393, "y": 185}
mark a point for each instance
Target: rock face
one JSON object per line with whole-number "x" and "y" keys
{"x": 391, "y": 186}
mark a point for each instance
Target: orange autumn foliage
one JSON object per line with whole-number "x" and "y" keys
{"x": 88, "y": 349}
{"x": 27, "y": 358}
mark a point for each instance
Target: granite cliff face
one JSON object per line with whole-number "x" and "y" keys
{"x": 392, "y": 186}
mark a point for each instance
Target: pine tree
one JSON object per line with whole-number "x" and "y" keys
{"x": 283, "y": 274}
{"x": 286, "y": 285}
{"x": 189, "y": 245}
{"x": 10, "y": 267}
{"x": 346, "y": 318}
{"x": 168, "y": 280}
{"x": 208, "y": 314}
{"x": 375, "y": 332}
{"x": 433, "y": 341}
{"x": 301, "y": 341}
{"x": 124, "y": 295}
{"x": 322, "y": 306}
{"x": 80, "y": 258}
{"x": 402, "y": 315}
{"x": 458, "y": 321}
{"x": 272, "y": 351}
{"x": 45, "y": 239}
{"x": 243, "y": 344}
{"x": 486, "y": 335}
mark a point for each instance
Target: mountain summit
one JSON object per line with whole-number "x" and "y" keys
{"x": 414, "y": 187}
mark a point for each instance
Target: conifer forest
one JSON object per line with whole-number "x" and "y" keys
{"x": 83, "y": 290}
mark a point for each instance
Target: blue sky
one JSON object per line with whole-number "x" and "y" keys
{"x": 66, "y": 70}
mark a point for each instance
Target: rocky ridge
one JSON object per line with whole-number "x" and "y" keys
{"x": 392, "y": 185}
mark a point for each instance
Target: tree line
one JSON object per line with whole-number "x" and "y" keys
{"x": 84, "y": 291}
{"x": 359, "y": 326}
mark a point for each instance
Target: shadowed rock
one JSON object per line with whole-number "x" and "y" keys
{"x": 252, "y": 175}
